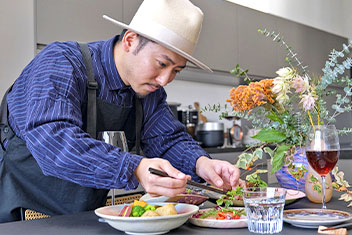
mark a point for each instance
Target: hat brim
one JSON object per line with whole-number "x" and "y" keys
{"x": 165, "y": 44}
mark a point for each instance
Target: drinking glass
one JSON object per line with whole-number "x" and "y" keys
{"x": 118, "y": 139}
{"x": 264, "y": 208}
{"x": 322, "y": 151}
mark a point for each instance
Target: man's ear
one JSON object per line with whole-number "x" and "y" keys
{"x": 129, "y": 41}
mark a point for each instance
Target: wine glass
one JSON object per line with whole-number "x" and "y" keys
{"x": 323, "y": 150}
{"x": 116, "y": 138}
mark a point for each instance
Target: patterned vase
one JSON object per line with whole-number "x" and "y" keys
{"x": 286, "y": 180}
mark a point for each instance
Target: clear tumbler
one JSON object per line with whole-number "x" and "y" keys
{"x": 264, "y": 207}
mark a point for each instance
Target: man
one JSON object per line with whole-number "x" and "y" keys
{"x": 50, "y": 160}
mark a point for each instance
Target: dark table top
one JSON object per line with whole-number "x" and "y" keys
{"x": 87, "y": 223}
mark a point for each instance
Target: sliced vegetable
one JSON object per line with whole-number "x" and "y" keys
{"x": 126, "y": 211}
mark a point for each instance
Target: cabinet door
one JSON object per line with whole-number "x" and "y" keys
{"x": 256, "y": 53}
{"x": 311, "y": 45}
{"x": 217, "y": 45}
{"x": 79, "y": 20}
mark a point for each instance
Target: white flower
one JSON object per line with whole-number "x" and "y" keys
{"x": 308, "y": 101}
{"x": 286, "y": 72}
{"x": 281, "y": 85}
{"x": 300, "y": 84}
{"x": 282, "y": 98}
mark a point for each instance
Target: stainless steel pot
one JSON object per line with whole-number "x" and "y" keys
{"x": 210, "y": 134}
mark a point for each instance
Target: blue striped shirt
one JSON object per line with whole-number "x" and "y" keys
{"x": 45, "y": 112}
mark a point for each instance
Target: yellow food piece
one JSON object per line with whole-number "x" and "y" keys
{"x": 168, "y": 209}
{"x": 139, "y": 203}
{"x": 150, "y": 214}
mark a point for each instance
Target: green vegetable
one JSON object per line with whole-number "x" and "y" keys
{"x": 137, "y": 211}
{"x": 149, "y": 208}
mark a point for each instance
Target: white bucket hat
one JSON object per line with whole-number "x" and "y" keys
{"x": 174, "y": 24}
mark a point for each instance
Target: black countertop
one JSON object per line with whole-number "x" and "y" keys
{"x": 86, "y": 223}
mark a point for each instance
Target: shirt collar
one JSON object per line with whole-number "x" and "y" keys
{"x": 114, "y": 80}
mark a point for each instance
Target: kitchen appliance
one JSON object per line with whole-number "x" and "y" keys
{"x": 189, "y": 117}
{"x": 173, "y": 106}
{"x": 210, "y": 134}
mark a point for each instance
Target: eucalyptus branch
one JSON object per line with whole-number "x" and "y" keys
{"x": 277, "y": 38}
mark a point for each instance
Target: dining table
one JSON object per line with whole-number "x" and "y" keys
{"x": 87, "y": 223}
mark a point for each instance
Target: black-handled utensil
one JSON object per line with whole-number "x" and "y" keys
{"x": 189, "y": 182}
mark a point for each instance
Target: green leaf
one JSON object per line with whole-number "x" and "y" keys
{"x": 269, "y": 151}
{"x": 273, "y": 116}
{"x": 279, "y": 157}
{"x": 270, "y": 136}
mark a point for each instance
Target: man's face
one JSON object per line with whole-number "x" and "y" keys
{"x": 154, "y": 66}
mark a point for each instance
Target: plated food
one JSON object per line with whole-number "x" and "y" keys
{"x": 150, "y": 224}
{"x": 143, "y": 209}
{"x": 218, "y": 217}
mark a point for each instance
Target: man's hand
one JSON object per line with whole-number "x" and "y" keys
{"x": 157, "y": 185}
{"x": 221, "y": 174}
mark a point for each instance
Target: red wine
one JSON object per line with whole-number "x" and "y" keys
{"x": 323, "y": 161}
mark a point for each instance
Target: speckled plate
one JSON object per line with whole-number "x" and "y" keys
{"x": 312, "y": 218}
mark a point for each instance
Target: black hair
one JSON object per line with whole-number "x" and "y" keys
{"x": 142, "y": 41}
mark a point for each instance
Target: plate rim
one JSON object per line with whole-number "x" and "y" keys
{"x": 315, "y": 223}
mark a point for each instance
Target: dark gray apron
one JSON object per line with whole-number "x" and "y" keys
{"x": 22, "y": 182}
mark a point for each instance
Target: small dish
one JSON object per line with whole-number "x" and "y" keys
{"x": 146, "y": 225}
{"x": 214, "y": 223}
{"x": 312, "y": 218}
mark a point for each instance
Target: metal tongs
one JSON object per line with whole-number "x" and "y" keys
{"x": 189, "y": 182}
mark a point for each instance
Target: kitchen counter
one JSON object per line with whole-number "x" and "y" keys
{"x": 86, "y": 223}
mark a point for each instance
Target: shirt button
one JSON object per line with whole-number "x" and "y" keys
{"x": 6, "y": 129}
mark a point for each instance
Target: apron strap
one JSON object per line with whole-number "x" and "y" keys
{"x": 92, "y": 87}
{"x": 4, "y": 125}
{"x": 139, "y": 120}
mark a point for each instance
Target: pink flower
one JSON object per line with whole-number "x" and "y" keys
{"x": 300, "y": 84}
{"x": 308, "y": 101}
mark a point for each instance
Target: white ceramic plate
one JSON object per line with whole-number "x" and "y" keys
{"x": 213, "y": 223}
{"x": 312, "y": 218}
{"x": 146, "y": 225}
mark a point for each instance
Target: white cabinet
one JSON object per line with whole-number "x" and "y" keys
{"x": 79, "y": 20}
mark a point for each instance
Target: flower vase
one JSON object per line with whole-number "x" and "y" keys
{"x": 286, "y": 179}
{"x": 312, "y": 194}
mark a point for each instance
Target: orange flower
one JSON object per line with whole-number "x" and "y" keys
{"x": 248, "y": 97}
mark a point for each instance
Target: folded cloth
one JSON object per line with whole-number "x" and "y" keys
{"x": 338, "y": 231}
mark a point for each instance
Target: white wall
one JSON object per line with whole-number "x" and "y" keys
{"x": 333, "y": 16}
{"x": 17, "y": 39}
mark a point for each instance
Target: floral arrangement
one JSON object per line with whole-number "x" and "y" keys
{"x": 284, "y": 108}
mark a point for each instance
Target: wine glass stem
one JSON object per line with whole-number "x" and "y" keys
{"x": 323, "y": 190}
